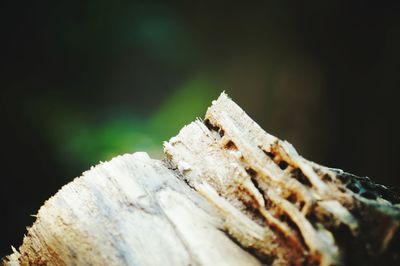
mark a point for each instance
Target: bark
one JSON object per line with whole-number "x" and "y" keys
{"x": 227, "y": 193}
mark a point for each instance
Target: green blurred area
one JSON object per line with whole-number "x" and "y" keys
{"x": 98, "y": 78}
{"x": 83, "y": 139}
{"x": 118, "y": 99}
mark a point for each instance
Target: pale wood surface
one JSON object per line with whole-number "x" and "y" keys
{"x": 291, "y": 210}
{"x": 129, "y": 211}
{"x": 227, "y": 193}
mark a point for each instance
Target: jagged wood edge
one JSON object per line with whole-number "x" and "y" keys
{"x": 238, "y": 166}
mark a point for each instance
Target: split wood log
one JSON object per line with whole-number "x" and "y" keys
{"x": 129, "y": 211}
{"x": 227, "y": 193}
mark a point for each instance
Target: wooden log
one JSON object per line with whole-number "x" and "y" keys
{"x": 129, "y": 211}
{"x": 227, "y": 193}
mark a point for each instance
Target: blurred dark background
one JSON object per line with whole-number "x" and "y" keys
{"x": 83, "y": 81}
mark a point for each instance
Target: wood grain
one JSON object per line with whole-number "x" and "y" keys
{"x": 227, "y": 193}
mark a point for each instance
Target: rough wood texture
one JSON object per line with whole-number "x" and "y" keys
{"x": 287, "y": 210}
{"x": 227, "y": 193}
{"x": 129, "y": 211}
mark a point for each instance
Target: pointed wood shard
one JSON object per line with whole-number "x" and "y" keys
{"x": 310, "y": 214}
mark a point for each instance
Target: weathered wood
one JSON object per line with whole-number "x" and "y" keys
{"x": 305, "y": 213}
{"x": 227, "y": 193}
{"x": 129, "y": 211}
